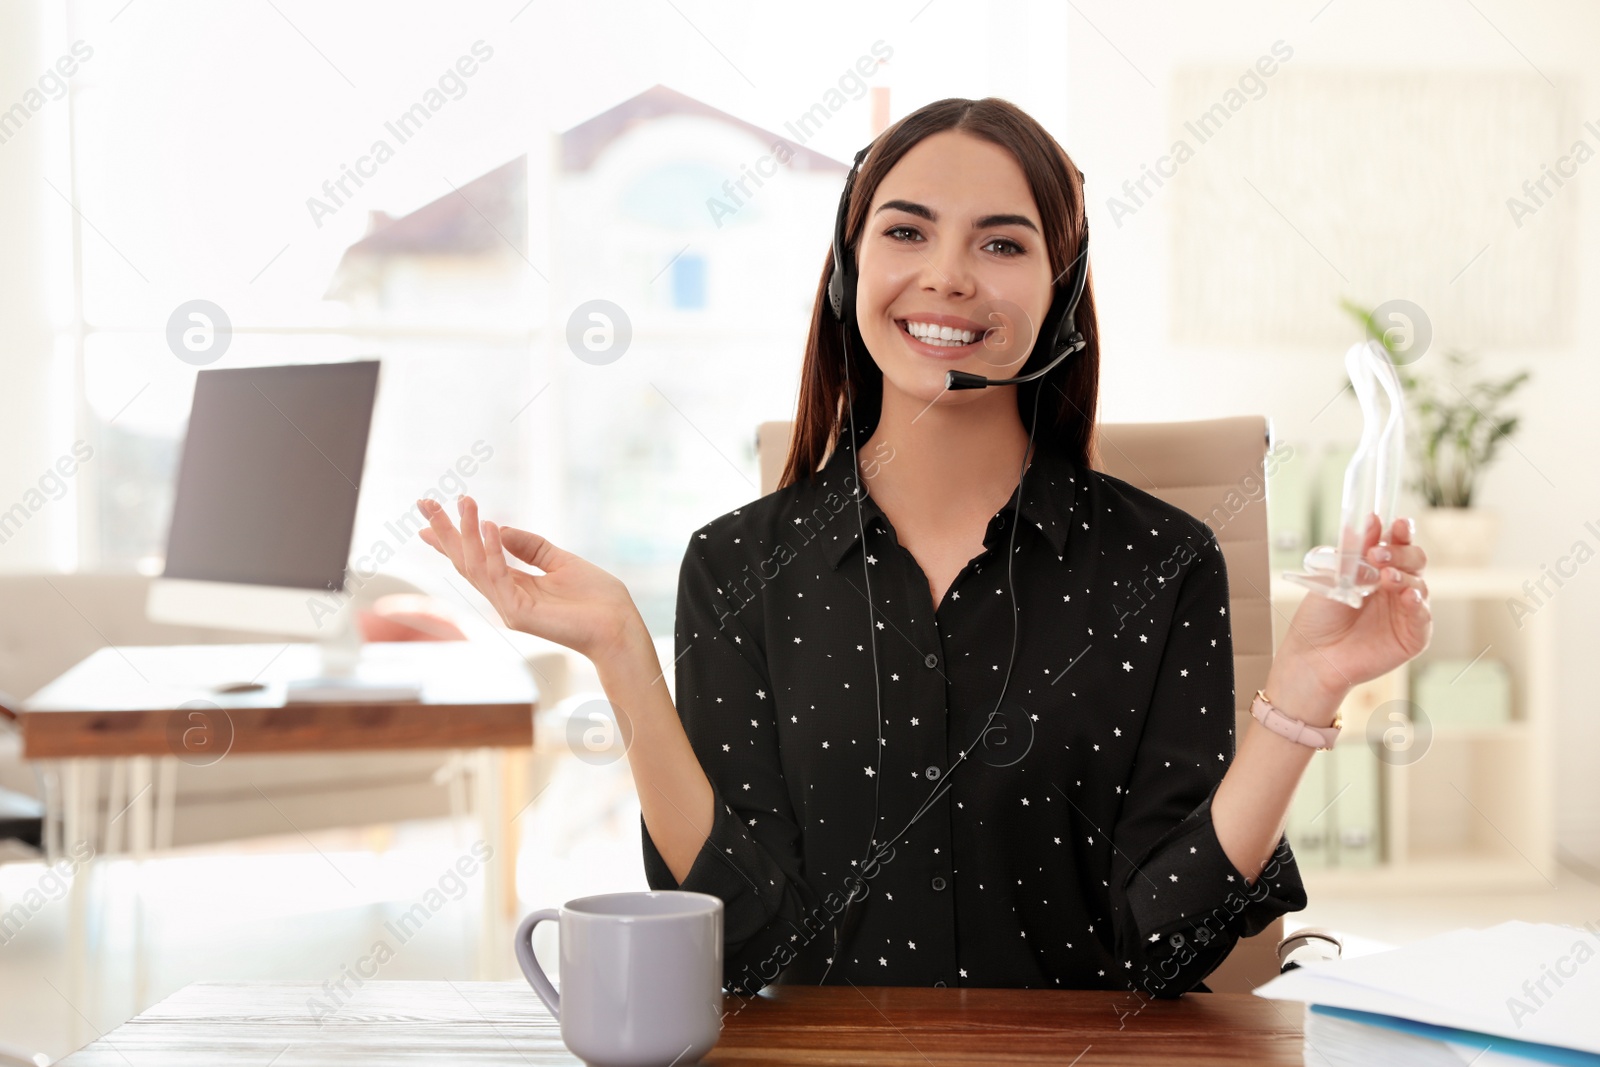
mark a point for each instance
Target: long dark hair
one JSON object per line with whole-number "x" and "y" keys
{"x": 1067, "y": 408}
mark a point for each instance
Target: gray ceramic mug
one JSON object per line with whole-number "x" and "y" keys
{"x": 641, "y": 976}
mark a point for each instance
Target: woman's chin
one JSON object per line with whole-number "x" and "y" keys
{"x": 926, "y": 383}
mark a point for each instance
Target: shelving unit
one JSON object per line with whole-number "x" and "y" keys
{"x": 1474, "y": 811}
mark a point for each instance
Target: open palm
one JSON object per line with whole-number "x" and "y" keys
{"x": 573, "y": 603}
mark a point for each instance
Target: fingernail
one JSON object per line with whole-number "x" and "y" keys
{"x": 1381, "y": 554}
{"x": 1411, "y": 528}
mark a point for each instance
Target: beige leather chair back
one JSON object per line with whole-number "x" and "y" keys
{"x": 1214, "y": 470}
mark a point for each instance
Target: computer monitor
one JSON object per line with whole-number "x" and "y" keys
{"x": 266, "y": 498}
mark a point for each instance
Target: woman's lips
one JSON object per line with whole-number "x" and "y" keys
{"x": 949, "y": 353}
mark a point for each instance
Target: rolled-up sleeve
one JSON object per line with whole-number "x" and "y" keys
{"x": 752, "y": 858}
{"x": 1179, "y": 905}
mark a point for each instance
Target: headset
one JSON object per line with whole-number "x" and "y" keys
{"x": 1066, "y": 339}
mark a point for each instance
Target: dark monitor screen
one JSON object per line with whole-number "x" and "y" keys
{"x": 270, "y": 475}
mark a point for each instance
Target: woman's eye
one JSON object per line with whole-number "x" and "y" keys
{"x": 1012, "y": 248}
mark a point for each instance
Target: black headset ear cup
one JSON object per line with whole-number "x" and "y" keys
{"x": 843, "y": 271}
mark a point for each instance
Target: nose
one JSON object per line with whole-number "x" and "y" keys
{"x": 948, "y": 270}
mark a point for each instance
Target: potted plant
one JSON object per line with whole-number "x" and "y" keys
{"x": 1459, "y": 427}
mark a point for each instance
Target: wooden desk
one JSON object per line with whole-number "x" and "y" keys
{"x": 492, "y": 1023}
{"x": 133, "y": 703}
{"x": 146, "y": 708}
{"x": 124, "y": 701}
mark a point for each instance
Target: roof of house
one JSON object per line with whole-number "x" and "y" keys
{"x": 583, "y": 143}
{"x": 489, "y": 213}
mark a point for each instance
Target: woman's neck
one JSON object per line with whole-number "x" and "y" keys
{"x": 946, "y": 459}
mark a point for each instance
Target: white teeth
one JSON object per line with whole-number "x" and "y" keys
{"x": 940, "y": 336}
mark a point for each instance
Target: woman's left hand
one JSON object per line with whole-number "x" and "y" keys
{"x": 1346, "y": 646}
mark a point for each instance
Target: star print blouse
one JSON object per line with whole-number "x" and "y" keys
{"x": 1060, "y": 840}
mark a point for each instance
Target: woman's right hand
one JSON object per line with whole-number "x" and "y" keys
{"x": 573, "y": 603}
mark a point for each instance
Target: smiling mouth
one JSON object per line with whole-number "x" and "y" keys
{"x": 945, "y": 342}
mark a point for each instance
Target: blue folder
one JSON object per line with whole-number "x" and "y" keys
{"x": 1530, "y": 1050}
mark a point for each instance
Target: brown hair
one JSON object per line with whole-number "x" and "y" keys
{"x": 1068, "y": 408}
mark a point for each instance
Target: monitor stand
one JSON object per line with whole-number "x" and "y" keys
{"x": 346, "y": 675}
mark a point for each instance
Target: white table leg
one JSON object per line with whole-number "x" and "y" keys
{"x": 54, "y": 832}
{"x": 141, "y": 784}
{"x": 77, "y": 818}
{"x": 71, "y": 803}
{"x": 165, "y": 800}
{"x": 489, "y": 805}
{"x": 116, "y": 806}
{"x": 454, "y": 772}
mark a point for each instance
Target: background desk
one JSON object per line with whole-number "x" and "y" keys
{"x": 504, "y": 1023}
{"x": 134, "y": 706}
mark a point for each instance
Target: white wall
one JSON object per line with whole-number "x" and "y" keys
{"x": 26, "y": 444}
{"x": 1121, "y": 69}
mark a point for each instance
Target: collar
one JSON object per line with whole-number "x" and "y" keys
{"x": 1049, "y": 491}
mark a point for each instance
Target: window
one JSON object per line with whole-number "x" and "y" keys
{"x": 689, "y": 282}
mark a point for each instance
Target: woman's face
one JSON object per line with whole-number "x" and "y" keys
{"x": 952, "y": 244}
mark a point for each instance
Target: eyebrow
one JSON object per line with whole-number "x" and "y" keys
{"x": 922, "y": 211}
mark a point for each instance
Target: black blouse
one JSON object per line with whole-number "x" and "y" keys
{"x": 1068, "y": 842}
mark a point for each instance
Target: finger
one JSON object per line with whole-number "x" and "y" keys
{"x": 471, "y": 538}
{"x": 494, "y": 580}
{"x": 1364, "y": 534}
{"x": 1410, "y": 558}
{"x": 494, "y": 564}
{"x": 1399, "y": 582}
{"x": 443, "y": 530}
{"x": 530, "y": 548}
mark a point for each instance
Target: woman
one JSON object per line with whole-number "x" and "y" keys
{"x": 849, "y": 766}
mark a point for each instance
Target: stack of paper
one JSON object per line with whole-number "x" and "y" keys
{"x": 1516, "y": 993}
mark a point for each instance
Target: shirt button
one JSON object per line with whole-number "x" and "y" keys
{"x": 932, "y": 773}
{"x": 930, "y": 660}
{"x": 938, "y": 885}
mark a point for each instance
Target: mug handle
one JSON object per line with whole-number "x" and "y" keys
{"x": 530, "y": 964}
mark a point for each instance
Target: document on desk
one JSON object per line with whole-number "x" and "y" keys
{"x": 1536, "y": 984}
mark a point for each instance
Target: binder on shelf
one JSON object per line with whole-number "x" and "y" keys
{"x": 1308, "y": 827}
{"x": 1336, "y": 816}
{"x": 1289, "y": 510}
{"x": 1460, "y": 692}
{"x": 1356, "y": 836}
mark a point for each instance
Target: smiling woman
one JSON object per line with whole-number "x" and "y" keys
{"x": 844, "y": 761}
